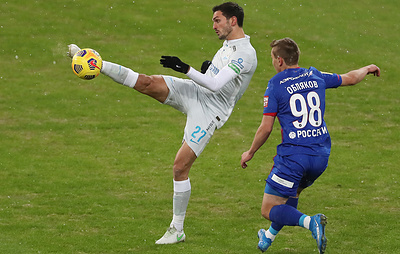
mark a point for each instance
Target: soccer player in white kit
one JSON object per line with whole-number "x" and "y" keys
{"x": 207, "y": 98}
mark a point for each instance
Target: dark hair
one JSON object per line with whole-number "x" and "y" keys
{"x": 287, "y": 49}
{"x": 230, "y": 9}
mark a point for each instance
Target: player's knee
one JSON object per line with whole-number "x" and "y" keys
{"x": 265, "y": 213}
{"x": 153, "y": 86}
{"x": 183, "y": 162}
{"x": 144, "y": 83}
{"x": 180, "y": 171}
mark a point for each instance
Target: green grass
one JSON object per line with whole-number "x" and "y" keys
{"x": 86, "y": 166}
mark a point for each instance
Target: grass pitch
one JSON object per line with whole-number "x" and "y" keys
{"x": 86, "y": 165}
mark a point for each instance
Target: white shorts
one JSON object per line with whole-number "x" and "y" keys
{"x": 189, "y": 98}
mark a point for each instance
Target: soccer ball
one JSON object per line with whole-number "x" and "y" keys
{"x": 87, "y": 63}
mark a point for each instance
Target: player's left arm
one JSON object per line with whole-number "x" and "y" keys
{"x": 355, "y": 76}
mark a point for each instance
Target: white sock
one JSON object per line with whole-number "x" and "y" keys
{"x": 306, "y": 222}
{"x": 182, "y": 190}
{"x": 120, "y": 74}
{"x": 269, "y": 235}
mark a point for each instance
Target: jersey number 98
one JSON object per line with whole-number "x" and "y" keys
{"x": 313, "y": 116}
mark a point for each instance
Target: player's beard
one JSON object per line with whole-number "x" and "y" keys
{"x": 225, "y": 32}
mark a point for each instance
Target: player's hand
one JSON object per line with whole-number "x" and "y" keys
{"x": 373, "y": 69}
{"x": 246, "y": 156}
{"x": 204, "y": 66}
{"x": 174, "y": 63}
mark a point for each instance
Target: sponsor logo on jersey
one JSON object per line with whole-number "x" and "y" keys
{"x": 236, "y": 65}
{"x": 266, "y": 101}
{"x": 294, "y": 78}
{"x": 213, "y": 69}
{"x": 312, "y": 133}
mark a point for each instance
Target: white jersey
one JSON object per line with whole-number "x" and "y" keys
{"x": 241, "y": 57}
{"x": 207, "y": 105}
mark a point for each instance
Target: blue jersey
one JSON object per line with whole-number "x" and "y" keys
{"x": 297, "y": 97}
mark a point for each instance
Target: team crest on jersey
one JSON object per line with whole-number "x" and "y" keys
{"x": 266, "y": 101}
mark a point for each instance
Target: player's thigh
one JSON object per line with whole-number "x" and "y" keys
{"x": 285, "y": 176}
{"x": 316, "y": 165}
{"x": 199, "y": 129}
{"x": 183, "y": 94}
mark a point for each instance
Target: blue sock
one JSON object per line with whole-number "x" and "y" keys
{"x": 285, "y": 215}
{"x": 277, "y": 227}
{"x": 293, "y": 202}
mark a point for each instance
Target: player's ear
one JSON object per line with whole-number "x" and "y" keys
{"x": 281, "y": 61}
{"x": 233, "y": 21}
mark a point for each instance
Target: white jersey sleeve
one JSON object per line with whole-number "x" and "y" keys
{"x": 227, "y": 65}
{"x": 225, "y": 75}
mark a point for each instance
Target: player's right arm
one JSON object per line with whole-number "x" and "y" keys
{"x": 355, "y": 76}
{"x": 240, "y": 62}
{"x": 225, "y": 75}
{"x": 262, "y": 135}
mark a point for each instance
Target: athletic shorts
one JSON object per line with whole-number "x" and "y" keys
{"x": 187, "y": 97}
{"x": 294, "y": 171}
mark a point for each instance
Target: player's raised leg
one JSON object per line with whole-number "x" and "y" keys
{"x": 72, "y": 49}
{"x": 153, "y": 86}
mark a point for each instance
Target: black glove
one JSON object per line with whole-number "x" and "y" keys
{"x": 205, "y": 65}
{"x": 174, "y": 63}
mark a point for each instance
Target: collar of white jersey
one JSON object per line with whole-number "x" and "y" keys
{"x": 236, "y": 41}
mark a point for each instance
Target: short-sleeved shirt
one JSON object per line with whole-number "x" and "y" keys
{"x": 297, "y": 98}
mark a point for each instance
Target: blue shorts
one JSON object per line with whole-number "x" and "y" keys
{"x": 295, "y": 171}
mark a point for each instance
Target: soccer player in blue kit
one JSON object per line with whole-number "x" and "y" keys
{"x": 296, "y": 96}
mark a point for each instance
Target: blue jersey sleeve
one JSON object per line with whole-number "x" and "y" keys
{"x": 332, "y": 80}
{"x": 270, "y": 102}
